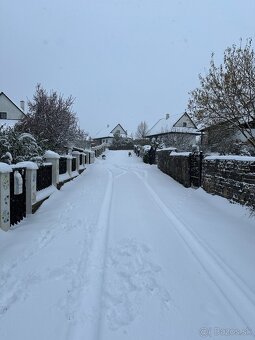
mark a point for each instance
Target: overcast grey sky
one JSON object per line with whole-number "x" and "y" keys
{"x": 123, "y": 60}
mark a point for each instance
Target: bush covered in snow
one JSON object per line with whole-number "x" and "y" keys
{"x": 17, "y": 147}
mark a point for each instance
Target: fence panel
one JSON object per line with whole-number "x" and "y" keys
{"x": 17, "y": 201}
{"x": 62, "y": 165}
{"x": 44, "y": 177}
{"x": 74, "y": 164}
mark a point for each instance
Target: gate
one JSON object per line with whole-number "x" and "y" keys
{"x": 17, "y": 198}
{"x": 196, "y": 169}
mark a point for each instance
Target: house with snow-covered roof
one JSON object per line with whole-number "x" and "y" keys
{"x": 106, "y": 135}
{"x": 10, "y": 113}
{"x": 181, "y": 133}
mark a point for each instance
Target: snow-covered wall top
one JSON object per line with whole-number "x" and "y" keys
{"x": 5, "y": 168}
{"x": 232, "y": 157}
{"x": 167, "y": 149}
{"x": 67, "y": 156}
{"x": 180, "y": 153}
{"x": 51, "y": 154}
{"x": 27, "y": 165}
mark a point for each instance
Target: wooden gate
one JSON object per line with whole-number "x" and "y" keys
{"x": 17, "y": 200}
{"x": 196, "y": 169}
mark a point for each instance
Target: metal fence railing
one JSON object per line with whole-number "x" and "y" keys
{"x": 44, "y": 177}
{"x": 62, "y": 165}
{"x": 73, "y": 164}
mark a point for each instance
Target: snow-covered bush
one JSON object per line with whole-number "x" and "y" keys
{"x": 17, "y": 147}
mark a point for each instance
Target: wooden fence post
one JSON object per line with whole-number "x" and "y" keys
{"x": 5, "y": 170}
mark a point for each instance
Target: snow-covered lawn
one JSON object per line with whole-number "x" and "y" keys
{"x": 125, "y": 252}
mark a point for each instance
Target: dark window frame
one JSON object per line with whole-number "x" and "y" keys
{"x": 3, "y": 115}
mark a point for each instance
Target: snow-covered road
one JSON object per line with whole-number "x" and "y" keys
{"x": 124, "y": 252}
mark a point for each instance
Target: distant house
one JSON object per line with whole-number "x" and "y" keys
{"x": 106, "y": 135}
{"x": 181, "y": 133}
{"x": 10, "y": 113}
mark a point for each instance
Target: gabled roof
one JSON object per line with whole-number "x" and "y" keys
{"x": 170, "y": 125}
{"x": 3, "y": 94}
{"x": 106, "y": 132}
{"x": 120, "y": 127}
{"x": 189, "y": 118}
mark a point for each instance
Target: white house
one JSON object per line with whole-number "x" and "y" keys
{"x": 179, "y": 133}
{"x": 10, "y": 113}
{"x": 106, "y": 135}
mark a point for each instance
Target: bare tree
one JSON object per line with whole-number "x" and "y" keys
{"x": 142, "y": 130}
{"x": 51, "y": 119}
{"x": 227, "y": 93}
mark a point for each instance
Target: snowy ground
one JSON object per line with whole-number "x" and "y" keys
{"x": 125, "y": 252}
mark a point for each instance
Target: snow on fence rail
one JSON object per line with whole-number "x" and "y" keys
{"x": 24, "y": 186}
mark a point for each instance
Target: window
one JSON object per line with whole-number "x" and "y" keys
{"x": 3, "y": 115}
{"x": 184, "y": 124}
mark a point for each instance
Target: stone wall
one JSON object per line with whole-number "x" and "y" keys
{"x": 178, "y": 167}
{"x": 233, "y": 179}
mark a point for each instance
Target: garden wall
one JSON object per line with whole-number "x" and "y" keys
{"x": 232, "y": 177}
{"x": 177, "y": 166}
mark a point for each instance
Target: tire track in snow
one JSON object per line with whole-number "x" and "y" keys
{"x": 90, "y": 276}
{"x": 129, "y": 276}
{"x": 231, "y": 287}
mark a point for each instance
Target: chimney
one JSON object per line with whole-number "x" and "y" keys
{"x": 22, "y": 105}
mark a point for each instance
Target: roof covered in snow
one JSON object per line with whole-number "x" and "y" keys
{"x": 107, "y": 132}
{"x": 183, "y": 124}
{"x": 104, "y": 133}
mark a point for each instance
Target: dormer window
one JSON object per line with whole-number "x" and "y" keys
{"x": 184, "y": 124}
{"x": 3, "y": 115}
